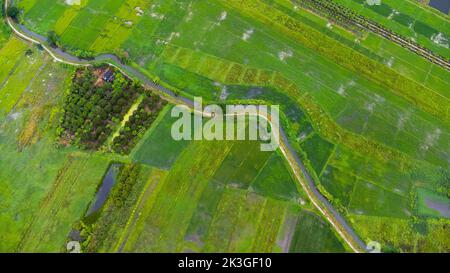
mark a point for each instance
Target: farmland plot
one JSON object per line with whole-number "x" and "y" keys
{"x": 36, "y": 179}
{"x": 158, "y": 148}
{"x": 199, "y": 208}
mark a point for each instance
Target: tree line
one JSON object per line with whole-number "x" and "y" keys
{"x": 138, "y": 123}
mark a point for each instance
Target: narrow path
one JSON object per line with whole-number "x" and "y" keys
{"x": 124, "y": 121}
{"x": 298, "y": 168}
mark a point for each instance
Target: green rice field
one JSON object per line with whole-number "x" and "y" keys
{"x": 369, "y": 119}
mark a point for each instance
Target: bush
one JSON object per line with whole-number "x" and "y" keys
{"x": 53, "y": 38}
{"x": 13, "y": 12}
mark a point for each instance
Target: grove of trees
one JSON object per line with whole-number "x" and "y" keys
{"x": 91, "y": 111}
{"x": 138, "y": 123}
{"x": 13, "y": 12}
{"x": 53, "y": 39}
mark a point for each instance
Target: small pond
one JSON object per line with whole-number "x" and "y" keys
{"x": 441, "y": 5}
{"x": 102, "y": 194}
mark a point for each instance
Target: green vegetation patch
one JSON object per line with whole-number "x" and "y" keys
{"x": 370, "y": 199}
{"x": 396, "y": 234}
{"x": 339, "y": 184}
{"x": 318, "y": 151}
{"x": 275, "y": 181}
{"x": 313, "y": 235}
{"x": 89, "y": 21}
{"x": 242, "y": 165}
{"x": 66, "y": 201}
{"x": 158, "y": 148}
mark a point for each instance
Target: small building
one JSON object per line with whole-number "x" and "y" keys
{"x": 108, "y": 76}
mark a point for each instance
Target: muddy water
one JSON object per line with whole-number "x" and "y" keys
{"x": 102, "y": 194}
{"x": 442, "y": 208}
{"x": 441, "y": 5}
